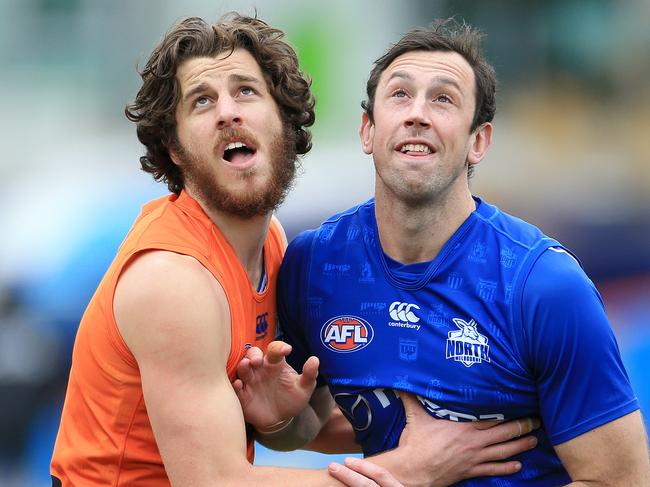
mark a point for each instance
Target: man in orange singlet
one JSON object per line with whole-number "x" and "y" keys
{"x": 223, "y": 112}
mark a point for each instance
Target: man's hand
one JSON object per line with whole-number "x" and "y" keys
{"x": 436, "y": 452}
{"x": 268, "y": 388}
{"x": 361, "y": 473}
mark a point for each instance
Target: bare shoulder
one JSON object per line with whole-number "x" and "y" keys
{"x": 165, "y": 301}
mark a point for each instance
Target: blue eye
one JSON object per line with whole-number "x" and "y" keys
{"x": 443, "y": 98}
{"x": 201, "y": 101}
{"x": 399, "y": 93}
{"x": 247, "y": 91}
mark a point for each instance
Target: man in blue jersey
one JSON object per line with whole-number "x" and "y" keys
{"x": 430, "y": 290}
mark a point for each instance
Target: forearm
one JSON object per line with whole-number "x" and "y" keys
{"x": 337, "y": 436}
{"x": 598, "y": 483}
{"x": 278, "y": 477}
{"x": 302, "y": 430}
{"x": 399, "y": 466}
{"x": 628, "y": 477}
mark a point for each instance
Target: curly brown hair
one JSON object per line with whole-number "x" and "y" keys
{"x": 155, "y": 104}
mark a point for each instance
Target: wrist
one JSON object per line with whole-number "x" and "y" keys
{"x": 276, "y": 427}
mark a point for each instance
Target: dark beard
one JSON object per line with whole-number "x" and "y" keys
{"x": 217, "y": 197}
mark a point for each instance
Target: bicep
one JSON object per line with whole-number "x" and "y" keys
{"x": 614, "y": 454}
{"x": 174, "y": 317}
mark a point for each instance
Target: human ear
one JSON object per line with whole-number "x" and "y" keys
{"x": 173, "y": 153}
{"x": 366, "y": 133}
{"x": 481, "y": 140}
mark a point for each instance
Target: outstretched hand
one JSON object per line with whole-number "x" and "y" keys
{"x": 269, "y": 389}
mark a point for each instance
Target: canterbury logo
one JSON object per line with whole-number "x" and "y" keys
{"x": 402, "y": 312}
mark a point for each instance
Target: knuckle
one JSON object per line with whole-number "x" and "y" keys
{"x": 382, "y": 474}
{"x": 501, "y": 453}
{"x": 498, "y": 469}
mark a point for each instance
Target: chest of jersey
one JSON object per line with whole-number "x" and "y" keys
{"x": 447, "y": 334}
{"x": 447, "y": 338}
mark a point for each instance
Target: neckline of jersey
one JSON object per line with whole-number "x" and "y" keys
{"x": 191, "y": 206}
{"x": 413, "y": 281}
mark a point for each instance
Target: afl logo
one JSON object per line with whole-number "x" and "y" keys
{"x": 346, "y": 334}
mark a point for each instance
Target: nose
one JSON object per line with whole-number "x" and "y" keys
{"x": 228, "y": 113}
{"x": 418, "y": 117}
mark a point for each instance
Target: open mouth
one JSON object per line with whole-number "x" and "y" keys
{"x": 238, "y": 153}
{"x": 415, "y": 149}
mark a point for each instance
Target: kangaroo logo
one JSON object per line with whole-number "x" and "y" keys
{"x": 467, "y": 345}
{"x": 402, "y": 312}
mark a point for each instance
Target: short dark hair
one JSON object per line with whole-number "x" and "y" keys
{"x": 443, "y": 35}
{"x": 155, "y": 104}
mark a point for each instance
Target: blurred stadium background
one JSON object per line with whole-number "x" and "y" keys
{"x": 570, "y": 154}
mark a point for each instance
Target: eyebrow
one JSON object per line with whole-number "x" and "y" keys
{"x": 236, "y": 78}
{"x": 201, "y": 87}
{"x": 244, "y": 78}
{"x": 443, "y": 80}
{"x": 399, "y": 74}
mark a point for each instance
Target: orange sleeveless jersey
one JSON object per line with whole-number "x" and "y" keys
{"x": 105, "y": 438}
